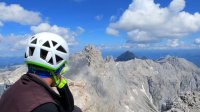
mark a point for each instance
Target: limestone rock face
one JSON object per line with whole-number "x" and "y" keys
{"x": 186, "y": 102}
{"x": 9, "y": 77}
{"x": 136, "y": 85}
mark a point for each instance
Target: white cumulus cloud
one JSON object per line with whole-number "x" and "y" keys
{"x": 62, "y": 31}
{"x": 113, "y": 18}
{"x": 16, "y": 13}
{"x": 99, "y": 17}
{"x": 142, "y": 45}
{"x": 80, "y": 30}
{"x": 197, "y": 40}
{"x": 173, "y": 43}
{"x": 146, "y": 22}
{"x": 112, "y": 31}
{"x": 13, "y": 45}
{"x": 177, "y": 5}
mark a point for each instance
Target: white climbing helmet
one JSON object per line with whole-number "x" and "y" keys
{"x": 47, "y": 50}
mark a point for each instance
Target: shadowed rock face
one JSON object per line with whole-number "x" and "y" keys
{"x": 126, "y": 56}
{"x": 136, "y": 85}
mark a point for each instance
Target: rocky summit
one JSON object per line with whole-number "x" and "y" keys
{"x": 169, "y": 84}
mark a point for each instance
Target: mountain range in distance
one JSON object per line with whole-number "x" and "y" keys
{"x": 168, "y": 84}
{"x": 192, "y": 55}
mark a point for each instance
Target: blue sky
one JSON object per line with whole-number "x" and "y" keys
{"x": 107, "y": 24}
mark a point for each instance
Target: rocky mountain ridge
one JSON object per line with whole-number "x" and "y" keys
{"x": 136, "y": 85}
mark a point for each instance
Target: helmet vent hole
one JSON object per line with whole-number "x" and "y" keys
{"x": 51, "y": 61}
{"x": 34, "y": 41}
{"x": 46, "y": 44}
{"x": 54, "y": 43}
{"x": 58, "y": 59}
{"x": 43, "y": 54}
{"x": 61, "y": 49}
{"x": 31, "y": 51}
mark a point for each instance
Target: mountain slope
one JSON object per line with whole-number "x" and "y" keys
{"x": 136, "y": 85}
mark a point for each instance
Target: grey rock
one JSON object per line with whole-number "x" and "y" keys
{"x": 187, "y": 102}
{"x": 137, "y": 85}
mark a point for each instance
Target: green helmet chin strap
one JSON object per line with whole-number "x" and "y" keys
{"x": 60, "y": 83}
{"x": 56, "y": 79}
{"x": 64, "y": 70}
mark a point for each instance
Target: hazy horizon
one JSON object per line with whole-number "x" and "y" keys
{"x": 192, "y": 55}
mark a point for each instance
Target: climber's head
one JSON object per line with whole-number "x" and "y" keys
{"x": 46, "y": 55}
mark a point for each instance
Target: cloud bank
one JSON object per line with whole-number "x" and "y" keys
{"x": 146, "y": 22}
{"x": 66, "y": 33}
{"x": 197, "y": 41}
{"x": 16, "y": 13}
{"x": 14, "y": 44}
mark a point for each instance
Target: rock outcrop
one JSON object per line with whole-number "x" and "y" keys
{"x": 186, "y": 102}
{"x": 136, "y": 85}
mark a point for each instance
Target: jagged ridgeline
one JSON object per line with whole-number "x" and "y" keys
{"x": 98, "y": 85}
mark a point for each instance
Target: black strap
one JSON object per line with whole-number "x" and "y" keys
{"x": 47, "y": 107}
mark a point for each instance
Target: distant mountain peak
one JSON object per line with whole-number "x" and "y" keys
{"x": 128, "y": 55}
